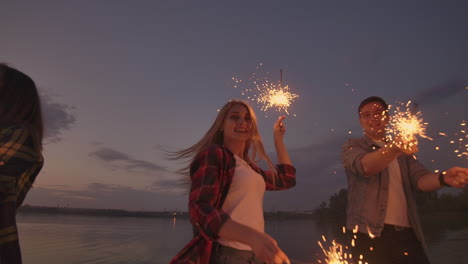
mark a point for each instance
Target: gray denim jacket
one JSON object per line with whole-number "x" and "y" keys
{"x": 367, "y": 196}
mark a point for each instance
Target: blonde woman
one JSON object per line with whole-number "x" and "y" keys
{"x": 227, "y": 189}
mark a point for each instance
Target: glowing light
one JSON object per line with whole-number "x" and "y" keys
{"x": 334, "y": 254}
{"x": 405, "y": 126}
{"x": 370, "y": 233}
{"x": 355, "y": 229}
{"x": 266, "y": 94}
{"x": 463, "y": 147}
{"x": 275, "y": 96}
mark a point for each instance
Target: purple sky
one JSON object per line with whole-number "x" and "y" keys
{"x": 120, "y": 79}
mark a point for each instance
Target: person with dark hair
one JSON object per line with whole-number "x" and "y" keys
{"x": 382, "y": 181}
{"x": 21, "y": 132}
{"x": 227, "y": 188}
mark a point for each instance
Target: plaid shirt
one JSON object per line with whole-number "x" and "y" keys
{"x": 211, "y": 174}
{"x": 19, "y": 166}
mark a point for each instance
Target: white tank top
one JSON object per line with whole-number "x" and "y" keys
{"x": 244, "y": 201}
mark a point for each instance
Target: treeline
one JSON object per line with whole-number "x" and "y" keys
{"x": 439, "y": 212}
{"x": 277, "y": 215}
{"x": 428, "y": 202}
{"x": 99, "y": 212}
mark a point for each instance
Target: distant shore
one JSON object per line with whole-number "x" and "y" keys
{"x": 28, "y": 209}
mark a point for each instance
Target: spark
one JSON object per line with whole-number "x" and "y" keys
{"x": 265, "y": 93}
{"x": 462, "y": 147}
{"x": 405, "y": 126}
{"x": 334, "y": 254}
{"x": 275, "y": 96}
{"x": 370, "y": 233}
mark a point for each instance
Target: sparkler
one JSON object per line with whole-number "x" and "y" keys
{"x": 404, "y": 127}
{"x": 275, "y": 96}
{"x": 268, "y": 95}
{"x": 334, "y": 254}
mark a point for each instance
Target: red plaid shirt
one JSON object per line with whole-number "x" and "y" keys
{"x": 19, "y": 166}
{"x": 211, "y": 174}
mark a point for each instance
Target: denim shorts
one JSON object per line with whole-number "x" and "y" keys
{"x": 227, "y": 255}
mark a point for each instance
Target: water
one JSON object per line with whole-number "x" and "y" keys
{"x": 58, "y": 239}
{"x": 73, "y": 239}
{"x": 76, "y": 239}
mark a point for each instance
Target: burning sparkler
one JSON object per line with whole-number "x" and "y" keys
{"x": 334, "y": 254}
{"x": 275, "y": 96}
{"x": 267, "y": 94}
{"x": 337, "y": 253}
{"x": 404, "y": 127}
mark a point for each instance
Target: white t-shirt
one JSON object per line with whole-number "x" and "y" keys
{"x": 244, "y": 201}
{"x": 397, "y": 208}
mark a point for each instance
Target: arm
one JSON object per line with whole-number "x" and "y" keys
{"x": 455, "y": 177}
{"x": 278, "y": 134}
{"x": 9, "y": 244}
{"x": 374, "y": 162}
{"x": 368, "y": 163}
{"x": 11, "y": 140}
{"x": 285, "y": 176}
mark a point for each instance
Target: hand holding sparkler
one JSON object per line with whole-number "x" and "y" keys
{"x": 266, "y": 249}
{"x": 406, "y": 146}
{"x": 278, "y": 133}
{"x": 278, "y": 128}
{"x": 456, "y": 177}
{"x": 404, "y": 127}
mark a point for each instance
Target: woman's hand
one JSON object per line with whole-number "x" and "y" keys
{"x": 267, "y": 250}
{"x": 278, "y": 128}
{"x": 264, "y": 246}
{"x": 278, "y": 133}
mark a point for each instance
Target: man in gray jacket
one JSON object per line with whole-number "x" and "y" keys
{"x": 382, "y": 180}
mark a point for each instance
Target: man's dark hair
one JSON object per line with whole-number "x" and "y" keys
{"x": 372, "y": 99}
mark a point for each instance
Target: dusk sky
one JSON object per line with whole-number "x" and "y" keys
{"x": 120, "y": 80}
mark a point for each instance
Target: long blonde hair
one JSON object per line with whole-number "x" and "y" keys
{"x": 253, "y": 152}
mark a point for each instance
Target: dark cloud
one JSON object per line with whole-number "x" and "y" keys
{"x": 125, "y": 161}
{"x": 170, "y": 185}
{"x": 57, "y": 118}
{"x": 108, "y": 154}
{"x": 440, "y": 92}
